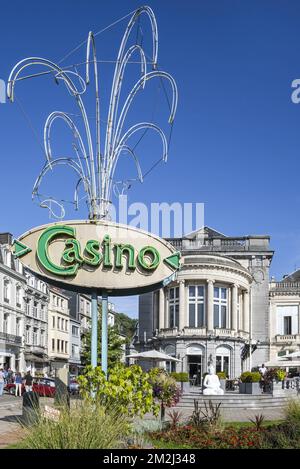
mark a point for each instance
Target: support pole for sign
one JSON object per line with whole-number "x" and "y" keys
{"x": 104, "y": 341}
{"x": 94, "y": 344}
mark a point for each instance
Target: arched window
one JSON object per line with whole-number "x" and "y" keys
{"x": 170, "y": 350}
{"x": 223, "y": 360}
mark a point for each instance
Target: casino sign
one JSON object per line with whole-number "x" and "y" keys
{"x": 98, "y": 256}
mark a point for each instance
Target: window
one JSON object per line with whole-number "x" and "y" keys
{"x": 75, "y": 351}
{"x": 18, "y": 327}
{"x": 5, "y": 323}
{"x": 88, "y": 308}
{"x": 62, "y": 323}
{"x": 35, "y": 336}
{"x": 81, "y": 306}
{"x": 27, "y": 334}
{"x": 18, "y": 296}
{"x": 42, "y": 312}
{"x": 53, "y": 322}
{"x": 53, "y": 345}
{"x": 6, "y": 291}
{"x": 287, "y": 319}
{"x": 28, "y": 308}
{"x": 196, "y": 306}
{"x": 220, "y": 307}
{"x": 223, "y": 360}
{"x": 75, "y": 331}
{"x": 66, "y": 325}
{"x": 58, "y": 345}
{"x": 58, "y": 323}
{"x": 42, "y": 338}
{"x": 173, "y": 307}
{"x": 66, "y": 347}
{"x": 287, "y": 325}
{"x": 34, "y": 310}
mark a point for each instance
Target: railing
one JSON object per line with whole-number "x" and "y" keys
{"x": 10, "y": 338}
{"x": 287, "y": 338}
{"x": 169, "y": 332}
{"x": 225, "y": 332}
{"x": 194, "y": 331}
{"x": 221, "y": 243}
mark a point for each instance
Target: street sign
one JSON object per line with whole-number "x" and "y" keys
{"x": 98, "y": 256}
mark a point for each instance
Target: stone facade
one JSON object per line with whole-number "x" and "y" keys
{"x": 58, "y": 330}
{"x": 217, "y": 306}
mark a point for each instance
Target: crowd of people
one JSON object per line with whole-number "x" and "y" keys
{"x": 8, "y": 376}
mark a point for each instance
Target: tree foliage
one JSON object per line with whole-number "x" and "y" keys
{"x": 126, "y": 388}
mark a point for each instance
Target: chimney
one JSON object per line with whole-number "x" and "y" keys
{"x": 6, "y": 238}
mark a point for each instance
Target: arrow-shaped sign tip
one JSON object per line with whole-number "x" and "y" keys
{"x": 20, "y": 249}
{"x": 173, "y": 260}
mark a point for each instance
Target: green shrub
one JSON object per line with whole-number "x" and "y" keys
{"x": 180, "y": 377}
{"x": 221, "y": 375}
{"x": 250, "y": 377}
{"x": 292, "y": 411}
{"x": 126, "y": 388}
{"x": 280, "y": 375}
{"x": 86, "y": 426}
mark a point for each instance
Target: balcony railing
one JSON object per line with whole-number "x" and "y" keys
{"x": 225, "y": 332}
{"x": 247, "y": 243}
{"x": 287, "y": 338}
{"x": 10, "y": 338}
{"x": 169, "y": 332}
{"x": 194, "y": 331}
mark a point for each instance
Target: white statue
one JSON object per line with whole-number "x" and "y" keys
{"x": 211, "y": 383}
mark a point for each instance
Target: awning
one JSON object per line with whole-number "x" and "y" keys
{"x": 36, "y": 359}
{"x": 153, "y": 355}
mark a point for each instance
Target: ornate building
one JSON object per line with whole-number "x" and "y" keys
{"x": 216, "y": 308}
{"x": 285, "y": 316}
{"x": 58, "y": 329}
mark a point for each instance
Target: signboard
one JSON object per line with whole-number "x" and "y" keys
{"x": 98, "y": 255}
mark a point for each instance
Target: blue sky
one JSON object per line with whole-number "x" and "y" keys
{"x": 235, "y": 142}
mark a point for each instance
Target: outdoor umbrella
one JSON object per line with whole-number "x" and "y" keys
{"x": 154, "y": 356}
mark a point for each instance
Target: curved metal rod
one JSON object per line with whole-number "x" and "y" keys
{"x": 135, "y": 128}
{"x": 43, "y": 204}
{"x": 47, "y": 137}
{"x": 91, "y": 42}
{"x": 18, "y": 68}
{"x": 133, "y": 92}
{"x": 149, "y": 12}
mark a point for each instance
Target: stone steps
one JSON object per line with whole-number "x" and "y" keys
{"x": 234, "y": 401}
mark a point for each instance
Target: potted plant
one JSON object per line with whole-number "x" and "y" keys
{"x": 222, "y": 377}
{"x": 251, "y": 380}
{"x": 183, "y": 379}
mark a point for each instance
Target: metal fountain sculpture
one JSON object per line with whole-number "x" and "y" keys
{"x": 94, "y": 162}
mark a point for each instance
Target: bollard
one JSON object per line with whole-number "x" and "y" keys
{"x": 30, "y": 408}
{"x": 62, "y": 395}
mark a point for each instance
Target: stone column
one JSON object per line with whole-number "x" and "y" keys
{"x": 210, "y": 305}
{"x": 166, "y": 309}
{"x": 246, "y": 311}
{"x": 161, "y": 321}
{"x": 234, "y": 300}
{"x": 182, "y": 305}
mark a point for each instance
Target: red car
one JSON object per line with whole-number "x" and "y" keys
{"x": 45, "y": 387}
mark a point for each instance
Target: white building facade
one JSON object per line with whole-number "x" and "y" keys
{"x": 58, "y": 330}
{"x": 215, "y": 309}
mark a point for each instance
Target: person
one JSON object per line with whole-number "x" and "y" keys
{"x": 263, "y": 369}
{"x": 2, "y": 379}
{"x": 5, "y": 375}
{"x": 28, "y": 381}
{"x": 18, "y": 384}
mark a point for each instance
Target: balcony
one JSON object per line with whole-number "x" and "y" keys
{"x": 191, "y": 331}
{"x": 282, "y": 339}
{"x": 243, "y": 243}
{"x": 10, "y": 338}
{"x": 169, "y": 332}
{"x": 35, "y": 349}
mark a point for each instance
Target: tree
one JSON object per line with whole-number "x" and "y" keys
{"x": 126, "y": 325}
{"x": 115, "y": 344}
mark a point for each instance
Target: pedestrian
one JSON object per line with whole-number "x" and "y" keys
{"x": 5, "y": 375}
{"x": 2, "y": 379}
{"x": 9, "y": 376}
{"x": 18, "y": 384}
{"x": 28, "y": 381}
{"x": 263, "y": 369}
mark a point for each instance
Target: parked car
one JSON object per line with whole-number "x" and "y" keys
{"x": 45, "y": 387}
{"x": 73, "y": 386}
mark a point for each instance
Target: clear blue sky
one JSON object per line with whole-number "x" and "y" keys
{"x": 235, "y": 143}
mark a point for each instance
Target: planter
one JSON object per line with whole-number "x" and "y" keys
{"x": 253, "y": 388}
{"x": 242, "y": 388}
{"x": 278, "y": 388}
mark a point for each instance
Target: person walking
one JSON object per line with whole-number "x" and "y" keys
{"x": 18, "y": 384}
{"x": 2, "y": 379}
{"x": 28, "y": 381}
